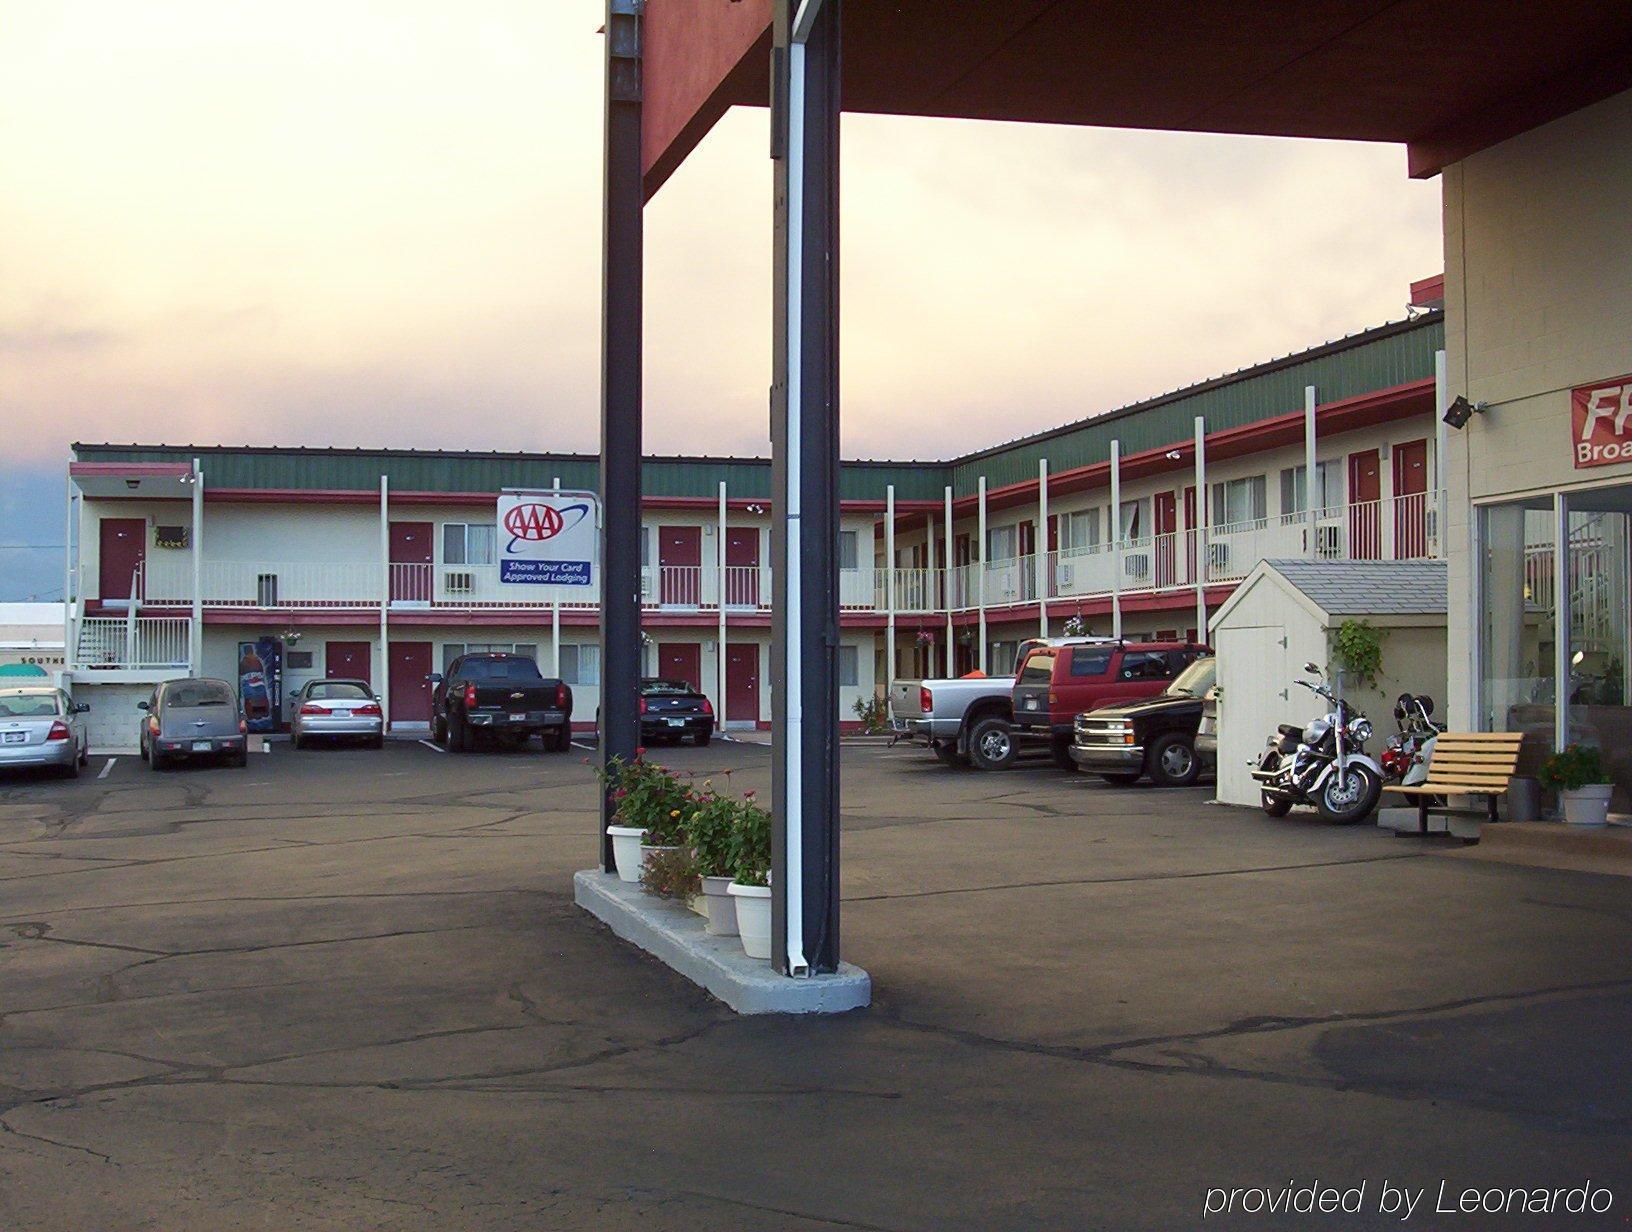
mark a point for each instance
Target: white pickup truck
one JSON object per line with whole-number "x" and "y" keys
{"x": 962, "y": 720}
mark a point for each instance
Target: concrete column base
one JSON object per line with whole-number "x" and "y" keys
{"x": 676, "y": 935}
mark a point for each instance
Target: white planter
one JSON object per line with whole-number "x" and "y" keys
{"x": 647, "y": 851}
{"x": 719, "y": 907}
{"x": 1587, "y": 806}
{"x": 753, "y": 918}
{"x": 626, "y": 851}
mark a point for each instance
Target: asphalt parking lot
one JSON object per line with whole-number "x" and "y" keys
{"x": 348, "y": 989}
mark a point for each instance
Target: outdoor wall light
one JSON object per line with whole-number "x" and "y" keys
{"x": 133, "y": 484}
{"x": 1460, "y": 411}
{"x": 1173, "y": 455}
{"x": 756, "y": 508}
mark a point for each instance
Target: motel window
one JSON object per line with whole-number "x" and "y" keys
{"x": 1000, "y": 657}
{"x": 1328, "y": 487}
{"x": 452, "y": 650}
{"x": 849, "y": 668}
{"x": 1239, "y": 500}
{"x": 469, "y": 543}
{"x": 1133, "y": 519}
{"x": 847, "y": 549}
{"x": 1002, "y": 542}
{"x": 645, "y": 547}
{"x": 581, "y": 665}
{"x": 1079, "y": 531}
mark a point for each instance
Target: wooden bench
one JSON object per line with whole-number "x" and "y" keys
{"x": 1465, "y": 764}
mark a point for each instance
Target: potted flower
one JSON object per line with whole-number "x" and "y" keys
{"x": 670, "y": 872}
{"x": 750, "y": 849}
{"x": 645, "y": 795}
{"x": 708, "y": 826}
{"x": 1577, "y": 775}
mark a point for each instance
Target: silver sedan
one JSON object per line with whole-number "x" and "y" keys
{"x": 41, "y": 726}
{"x": 336, "y": 710}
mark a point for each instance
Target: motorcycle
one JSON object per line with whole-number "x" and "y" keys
{"x": 1323, "y": 763}
{"x": 1405, "y": 756}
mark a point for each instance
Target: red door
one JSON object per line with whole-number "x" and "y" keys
{"x": 1365, "y": 509}
{"x": 410, "y": 690}
{"x": 963, "y": 588}
{"x": 742, "y": 681}
{"x": 412, "y": 551}
{"x": 1167, "y": 525}
{"x": 123, "y": 551}
{"x": 1411, "y": 500}
{"x": 681, "y": 661}
{"x": 742, "y": 566}
{"x": 679, "y": 565}
{"x": 348, "y": 661}
{"x": 1026, "y": 547}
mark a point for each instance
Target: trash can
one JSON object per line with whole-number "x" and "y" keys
{"x": 1524, "y": 799}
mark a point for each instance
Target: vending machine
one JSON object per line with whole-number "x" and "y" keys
{"x": 260, "y": 683}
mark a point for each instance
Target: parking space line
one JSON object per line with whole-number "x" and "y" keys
{"x": 106, "y": 768}
{"x": 578, "y": 744}
{"x": 435, "y": 748}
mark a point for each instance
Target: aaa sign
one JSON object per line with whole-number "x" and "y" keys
{"x": 1601, "y": 420}
{"x": 548, "y": 538}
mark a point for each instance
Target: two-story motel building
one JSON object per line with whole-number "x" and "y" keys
{"x": 381, "y": 564}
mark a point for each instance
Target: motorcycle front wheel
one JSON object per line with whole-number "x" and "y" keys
{"x": 1349, "y": 796}
{"x": 1276, "y": 806}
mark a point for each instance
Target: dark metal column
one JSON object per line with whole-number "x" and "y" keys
{"x": 621, "y": 282}
{"x": 805, "y": 492}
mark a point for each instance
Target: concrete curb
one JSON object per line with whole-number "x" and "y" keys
{"x": 677, "y": 936}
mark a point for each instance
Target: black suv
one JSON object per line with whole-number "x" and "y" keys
{"x": 1155, "y": 736}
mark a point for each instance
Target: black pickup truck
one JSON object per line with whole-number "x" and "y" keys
{"x": 502, "y": 696}
{"x": 1154, "y": 735}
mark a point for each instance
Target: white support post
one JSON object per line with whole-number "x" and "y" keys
{"x": 1310, "y": 470}
{"x": 719, "y": 657}
{"x": 980, "y": 568}
{"x": 385, "y": 600}
{"x": 1041, "y": 560}
{"x": 195, "y": 656}
{"x": 1561, "y": 621}
{"x": 1441, "y": 397}
{"x": 555, "y": 609}
{"x": 1199, "y": 531}
{"x": 70, "y": 644}
{"x": 889, "y": 583}
{"x": 946, "y": 554}
{"x": 1116, "y": 538}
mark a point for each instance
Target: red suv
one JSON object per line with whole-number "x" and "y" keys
{"x": 1057, "y": 683}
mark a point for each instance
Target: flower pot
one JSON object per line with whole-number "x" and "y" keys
{"x": 719, "y": 907}
{"x": 697, "y": 904}
{"x": 1586, "y": 806}
{"x": 647, "y": 851}
{"x": 753, "y": 918}
{"x": 626, "y": 851}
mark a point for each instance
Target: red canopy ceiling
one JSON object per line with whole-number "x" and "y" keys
{"x": 1445, "y": 77}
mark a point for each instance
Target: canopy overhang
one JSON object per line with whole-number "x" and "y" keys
{"x": 1445, "y": 78}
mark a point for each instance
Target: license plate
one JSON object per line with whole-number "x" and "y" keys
{"x": 201, "y": 746}
{"x": 1031, "y": 703}
{"x": 518, "y": 718}
{"x": 14, "y": 737}
{"x": 676, "y": 722}
{"x": 341, "y": 714}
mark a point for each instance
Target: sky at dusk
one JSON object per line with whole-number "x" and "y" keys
{"x": 378, "y": 224}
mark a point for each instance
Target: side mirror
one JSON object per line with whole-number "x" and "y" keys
{"x": 82, "y": 707}
{"x": 1311, "y": 668}
{"x": 142, "y": 706}
{"x": 434, "y": 678}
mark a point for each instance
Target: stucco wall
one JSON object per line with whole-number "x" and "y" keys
{"x": 1538, "y": 291}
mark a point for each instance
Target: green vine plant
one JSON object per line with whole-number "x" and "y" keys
{"x": 1358, "y": 647}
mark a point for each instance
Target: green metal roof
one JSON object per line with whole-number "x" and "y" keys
{"x": 1380, "y": 358}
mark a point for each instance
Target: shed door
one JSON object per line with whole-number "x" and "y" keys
{"x": 1252, "y": 675}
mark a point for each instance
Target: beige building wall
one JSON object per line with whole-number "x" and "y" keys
{"x": 1538, "y": 297}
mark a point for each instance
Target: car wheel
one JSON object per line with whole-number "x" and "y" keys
{"x": 141, "y": 747}
{"x": 1121, "y": 779}
{"x": 70, "y": 771}
{"x": 1276, "y": 806}
{"x": 991, "y": 744}
{"x": 1060, "y": 751}
{"x": 154, "y": 760}
{"x": 946, "y": 751}
{"x": 377, "y": 742}
{"x": 703, "y": 737}
{"x": 439, "y": 732}
{"x": 460, "y": 739}
{"x": 1173, "y": 760}
{"x": 240, "y": 759}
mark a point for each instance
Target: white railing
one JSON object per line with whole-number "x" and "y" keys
{"x": 747, "y": 586}
{"x": 270, "y": 585}
{"x": 856, "y": 588}
{"x": 142, "y": 643}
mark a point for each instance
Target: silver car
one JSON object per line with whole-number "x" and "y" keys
{"x": 193, "y": 718}
{"x": 337, "y": 710}
{"x": 41, "y": 726}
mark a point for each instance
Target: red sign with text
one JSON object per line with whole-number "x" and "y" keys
{"x": 1601, "y": 419}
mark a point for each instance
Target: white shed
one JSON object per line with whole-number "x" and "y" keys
{"x": 1283, "y": 615}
